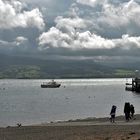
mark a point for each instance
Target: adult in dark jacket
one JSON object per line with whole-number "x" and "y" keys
{"x": 113, "y": 113}
{"x": 127, "y": 111}
{"x": 132, "y": 111}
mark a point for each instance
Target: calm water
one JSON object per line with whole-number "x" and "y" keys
{"x": 25, "y": 102}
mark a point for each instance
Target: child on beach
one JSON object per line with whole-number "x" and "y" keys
{"x": 113, "y": 113}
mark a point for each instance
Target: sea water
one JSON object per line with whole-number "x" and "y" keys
{"x": 24, "y": 101}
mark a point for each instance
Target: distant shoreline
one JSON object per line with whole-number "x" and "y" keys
{"x": 65, "y": 78}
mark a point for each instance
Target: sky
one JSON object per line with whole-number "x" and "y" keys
{"x": 101, "y": 29}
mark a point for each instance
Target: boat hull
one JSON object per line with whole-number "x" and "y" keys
{"x": 50, "y": 86}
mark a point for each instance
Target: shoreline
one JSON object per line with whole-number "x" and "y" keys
{"x": 81, "y": 129}
{"x": 94, "y": 121}
{"x": 88, "y": 120}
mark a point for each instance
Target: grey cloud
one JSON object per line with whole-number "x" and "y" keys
{"x": 91, "y": 3}
{"x": 90, "y": 28}
{"x": 121, "y": 15}
{"x": 18, "y": 42}
{"x": 113, "y": 20}
{"x": 72, "y": 32}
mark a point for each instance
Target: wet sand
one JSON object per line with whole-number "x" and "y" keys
{"x": 87, "y": 129}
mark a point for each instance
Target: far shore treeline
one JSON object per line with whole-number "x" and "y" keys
{"x": 15, "y": 67}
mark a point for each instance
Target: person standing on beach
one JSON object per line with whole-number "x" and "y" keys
{"x": 132, "y": 111}
{"x": 127, "y": 111}
{"x": 113, "y": 113}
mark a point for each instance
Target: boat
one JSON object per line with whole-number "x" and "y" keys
{"x": 51, "y": 84}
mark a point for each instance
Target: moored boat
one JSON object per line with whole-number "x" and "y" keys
{"x": 51, "y": 84}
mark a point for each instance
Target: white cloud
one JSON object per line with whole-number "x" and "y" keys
{"x": 128, "y": 42}
{"x": 69, "y": 25}
{"x": 55, "y": 38}
{"x": 17, "y": 5}
{"x": 31, "y": 18}
{"x": 20, "y": 40}
{"x": 72, "y": 23}
{"x": 12, "y": 15}
{"x": 72, "y": 32}
{"x": 90, "y": 40}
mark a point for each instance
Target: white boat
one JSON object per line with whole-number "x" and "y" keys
{"x": 51, "y": 84}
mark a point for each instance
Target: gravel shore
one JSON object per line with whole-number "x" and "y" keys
{"x": 86, "y": 129}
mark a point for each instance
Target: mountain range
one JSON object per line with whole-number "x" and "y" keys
{"x": 22, "y": 67}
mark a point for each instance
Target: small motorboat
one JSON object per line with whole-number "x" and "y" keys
{"x": 51, "y": 84}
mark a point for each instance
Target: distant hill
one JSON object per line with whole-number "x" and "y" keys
{"x": 32, "y": 68}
